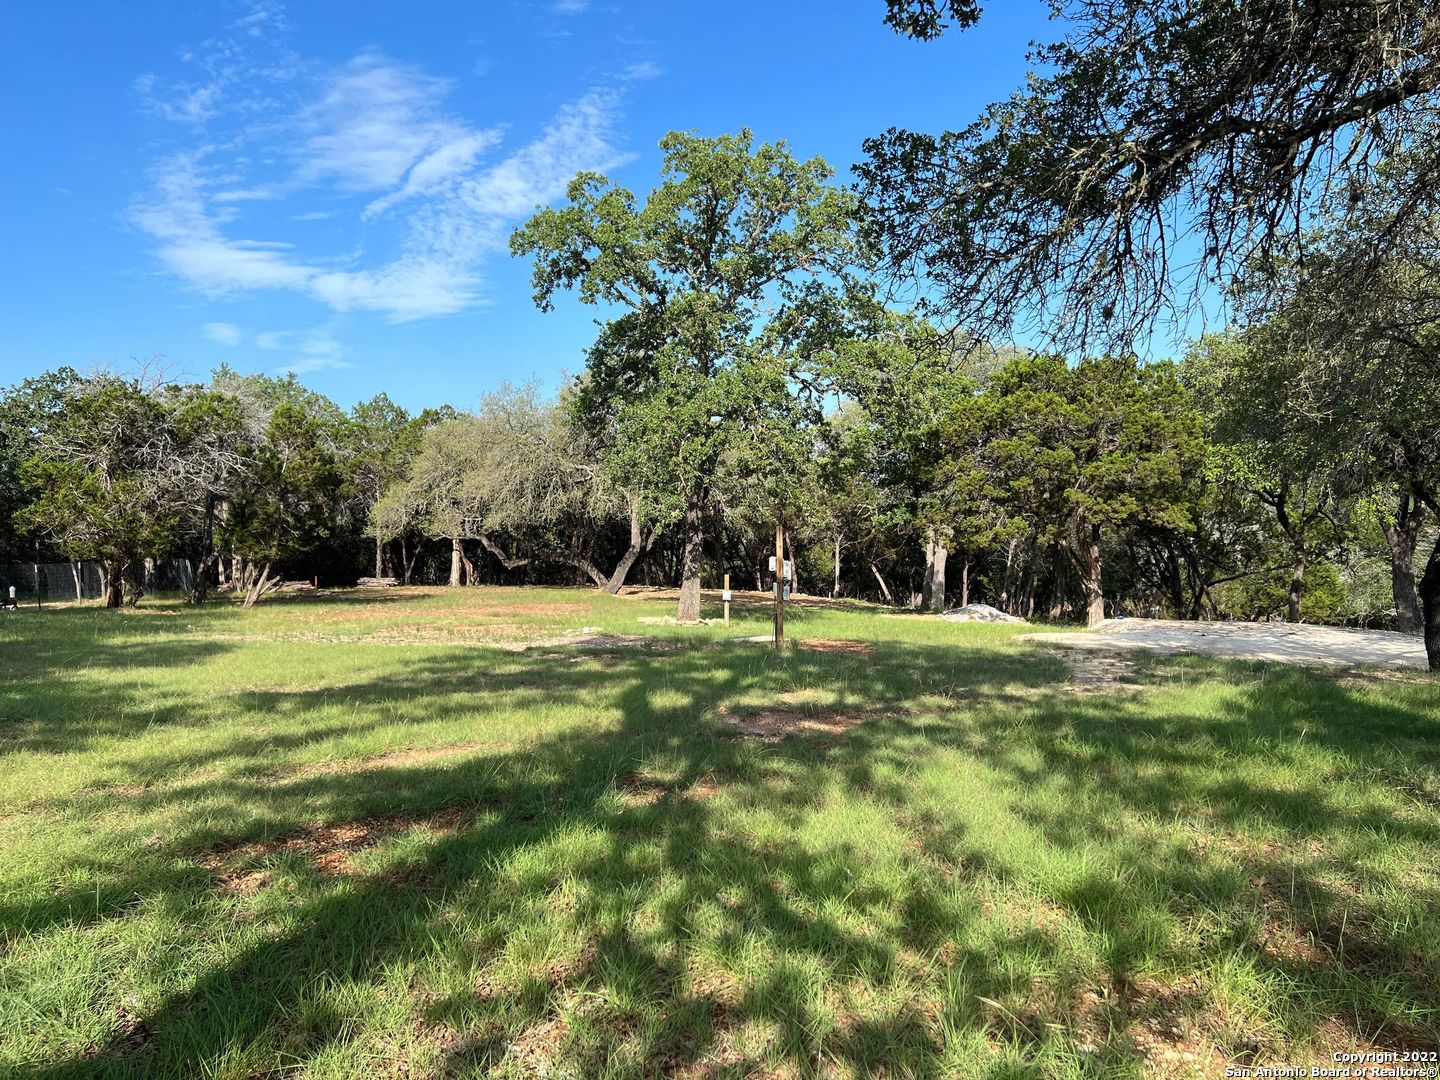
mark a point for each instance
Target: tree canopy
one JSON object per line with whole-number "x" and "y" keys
{"x": 1160, "y": 148}
{"x": 726, "y": 275}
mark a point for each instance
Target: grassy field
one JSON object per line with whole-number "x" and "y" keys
{"x": 431, "y": 834}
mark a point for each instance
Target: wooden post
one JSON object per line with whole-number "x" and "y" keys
{"x": 780, "y": 586}
{"x": 726, "y": 595}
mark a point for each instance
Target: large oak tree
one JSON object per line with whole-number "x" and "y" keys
{"x": 718, "y": 281}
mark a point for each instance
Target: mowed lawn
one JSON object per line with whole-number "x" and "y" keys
{"x": 378, "y": 835}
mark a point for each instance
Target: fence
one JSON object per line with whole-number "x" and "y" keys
{"x": 81, "y": 580}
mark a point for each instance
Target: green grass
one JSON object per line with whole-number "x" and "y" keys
{"x": 352, "y": 837}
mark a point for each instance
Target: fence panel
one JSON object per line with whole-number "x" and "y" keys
{"x": 80, "y": 580}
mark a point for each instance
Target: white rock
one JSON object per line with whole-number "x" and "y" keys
{"x": 979, "y": 613}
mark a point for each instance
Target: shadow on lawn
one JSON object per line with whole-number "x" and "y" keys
{"x": 270, "y": 998}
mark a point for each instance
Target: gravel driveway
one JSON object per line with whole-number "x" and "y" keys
{"x": 1286, "y": 643}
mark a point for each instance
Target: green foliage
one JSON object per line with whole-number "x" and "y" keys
{"x": 296, "y": 496}
{"x": 98, "y": 493}
{"x": 726, "y": 275}
{"x": 1154, "y": 149}
{"x": 26, "y": 411}
{"x": 1107, "y": 442}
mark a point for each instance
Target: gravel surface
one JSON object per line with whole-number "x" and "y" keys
{"x": 1286, "y": 643}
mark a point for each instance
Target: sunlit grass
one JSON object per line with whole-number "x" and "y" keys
{"x": 359, "y": 836}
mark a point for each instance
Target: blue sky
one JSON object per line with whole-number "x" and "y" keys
{"x": 329, "y": 188}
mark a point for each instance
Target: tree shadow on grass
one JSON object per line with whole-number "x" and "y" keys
{"x": 1265, "y": 821}
{"x": 632, "y": 895}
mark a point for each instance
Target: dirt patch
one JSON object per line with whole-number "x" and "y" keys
{"x": 594, "y": 642}
{"x": 1167, "y": 1030}
{"x": 535, "y": 1048}
{"x": 457, "y": 633}
{"x": 837, "y": 645}
{"x": 643, "y": 789}
{"x": 1100, "y": 673}
{"x": 328, "y": 848}
{"x": 390, "y": 759}
{"x": 773, "y": 725}
{"x": 132, "y": 1036}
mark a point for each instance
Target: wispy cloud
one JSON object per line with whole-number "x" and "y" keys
{"x": 375, "y": 136}
{"x": 309, "y": 364}
{"x": 314, "y": 349}
{"x": 645, "y": 69}
{"x": 569, "y": 7}
{"x": 223, "y": 333}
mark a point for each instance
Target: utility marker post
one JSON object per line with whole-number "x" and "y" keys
{"x": 780, "y": 585}
{"x": 725, "y": 596}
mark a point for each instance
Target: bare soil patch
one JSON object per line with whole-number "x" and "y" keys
{"x": 536, "y": 1047}
{"x": 328, "y": 848}
{"x": 390, "y": 759}
{"x": 1100, "y": 673}
{"x": 774, "y": 725}
{"x": 837, "y": 645}
{"x": 643, "y": 789}
{"x": 595, "y": 642}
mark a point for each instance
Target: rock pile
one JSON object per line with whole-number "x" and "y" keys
{"x": 979, "y": 613}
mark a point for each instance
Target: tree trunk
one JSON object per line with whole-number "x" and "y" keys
{"x": 593, "y": 572}
{"x": 1005, "y": 581}
{"x": 794, "y": 562}
{"x": 1297, "y": 588}
{"x": 259, "y": 586}
{"x": 379, "y": 557}
{"x": 884, "y": 589}
{"x": 499, "y": 553}
{"x": 835, "y": 588}
{"x": 113, "y": 585}
{"x": 408, "y": 557}
{"x": 932, "y": 595}
{"x": 1402, "y": 534}
{"x": 454, "y": 562}
{"x": 138, "y": 575}
{"x": 1088, "y": 564}
{"x": 637, "y": 545}
{"x": 965, "y": 584}
{"x": 1430, "y": 604}
{"x": 200, "y": 582}
{"x": 75, "y": 573}
{"x": 688, "y": 609}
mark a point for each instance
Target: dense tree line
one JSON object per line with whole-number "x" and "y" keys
{"x": 751, "y": 375}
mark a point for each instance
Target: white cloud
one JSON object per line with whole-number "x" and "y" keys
{"x": 223, "y": 332}
{"x": 376, "y": 120}
{"x": 569, "y": 7}
{"x": 192, "y": 244}
{"x": 315, "y": 349}
{"x": 185, "y": 104}
{"x": 313, "y": 363}
{"x": 436, "y": 189}
{"x": 443, "y": 164}
{"x": 578, "y": 139}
